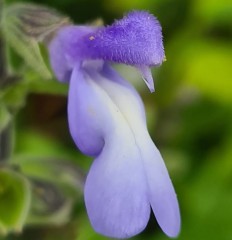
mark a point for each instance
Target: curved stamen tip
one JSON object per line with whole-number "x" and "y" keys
{"x": 147, "y": 77}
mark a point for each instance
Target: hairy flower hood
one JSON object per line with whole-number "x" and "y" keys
{"x": 134, "y": 40}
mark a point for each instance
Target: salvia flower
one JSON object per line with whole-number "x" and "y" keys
{"x": 107, "y": 121}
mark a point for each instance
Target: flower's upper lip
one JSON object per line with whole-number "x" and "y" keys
{"x": 134, "y": 40}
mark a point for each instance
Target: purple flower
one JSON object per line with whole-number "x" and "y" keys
{"x": 107, "y": 121}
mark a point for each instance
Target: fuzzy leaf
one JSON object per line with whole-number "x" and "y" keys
{"x": 24, "y": 25}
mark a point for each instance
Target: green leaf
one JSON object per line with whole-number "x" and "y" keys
{"x": 27, "y": 48}
{"x": 36, "y": 21}
{"x": 37, "y": 85}
{"x": 71, "y": 177}
{"x": 14, "y": 95}
{"x": 24, "y": 25}
{"x": 32, "y": 144}
{"x": 15, "y": 199}
{"x": 59, "y": 217}
{"x": 53, "y": 197}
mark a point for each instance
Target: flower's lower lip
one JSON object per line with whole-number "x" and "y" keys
{"x": 128, "y": 173}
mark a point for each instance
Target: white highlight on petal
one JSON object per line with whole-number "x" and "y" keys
{"x": 115, "y": 190}
{"x": 161, "y": 192}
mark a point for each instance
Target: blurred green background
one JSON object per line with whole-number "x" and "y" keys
{"x": 189, "y": 119}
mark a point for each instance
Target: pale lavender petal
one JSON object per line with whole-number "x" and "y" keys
{"x": 122, "y": 93}
{"x": 64, "y": 50}
{"x": 161, "y": 192}
{"x": 85, "y": 114}
{"x": 58, "y": 61}
{"x": 116, "y": 191}
{"x": 162, "y": 195}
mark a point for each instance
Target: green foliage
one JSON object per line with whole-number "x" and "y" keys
{"x": 15, "y": 199}
{"x": 14, "y": 95}
{"x": 27, "y": 48}
{"x": 42, "y": 160}
{"x": 24, "y": 25}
